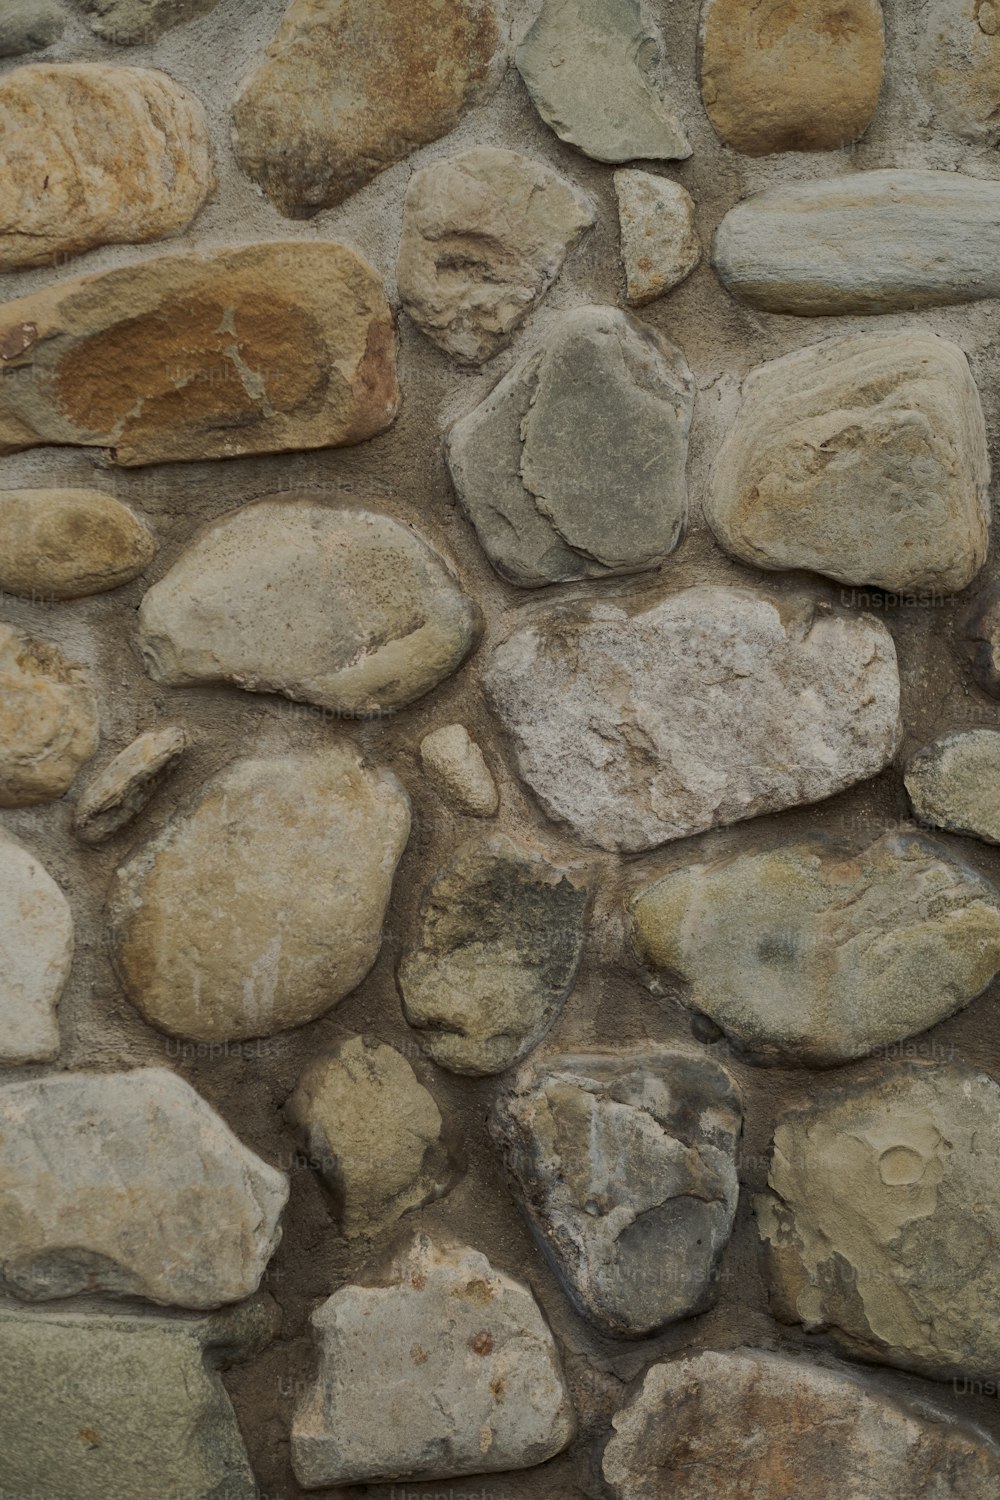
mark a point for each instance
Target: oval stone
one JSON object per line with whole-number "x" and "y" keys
{"x": 49, "y": 727}
{"x": 65, "y": 544}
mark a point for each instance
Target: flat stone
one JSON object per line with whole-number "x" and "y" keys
{"x": 625, "y": 1165}
{"x": 799, "y": 77}
{"x": 36, "y": 950}
{"x": 261, "y": 348}
{"x": 66, "y": 544}
{"x": 499, "y": 939}
{"x": 347, "y": 90}
{"x": 954, "y": 783}
{"x": 867, "y": 242}
{"x": 659, "y": 237}
{"x": 457, "y": 769}
{"x": 804, "y": 956}
{"x": 595, "y": 71}
{"x": 752, "y": 1422}
{"x": 48, "y": 720}
{"x": 318, "y": 825}
{"x": 135, "y": 23}
{"x": 130, "y": 1185}
{"x": 121, "y": 790}
{"x": 343, "y": 608}
{"x": 979, "y": 638}
{"x": 439, "y": 1366}
{"x": 863, "y": 458}
{"x": 484, "y": 236}
{"x": 958, "y": 67}
{"x": 881, "y": 1219}
{"x": 574, "y": 466}
{"x": 29, "y": 25}
{"x": 617, "y": 734}
{"x": 93, "y": 154}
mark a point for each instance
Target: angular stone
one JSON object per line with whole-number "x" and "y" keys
{"x": 659, "y": 236}
{"x": 457, "y": 769}
{"x": 134, "y": 23}
{"x": 499, "y": 942}
{"x": 625, "y": 1165}
{"x": 715, "y": 705}
{"x": 350, "y": 87}
{"x": 278, "y": 877}
{"x": 881, "y": 1219}
{"x": 263, "y": 348}
{"x": 954, "y": 783}
{"x": 867, "y": 242}
{"x": 66, "y": 544}
{"x": 863, "y": 458}
{"x": 595, "y": 71}
{"x": 804, "y": 956}
{"x": 48, "y": 720}
{"x": 752, "y": 1422}
{"x": 484, "y": 236}
{"x": 343, "y": 608}
{"x": 121, "y": 790}
{"x": 575, "y": 465}
{"x": 29, "y": 25}
{"x": 438, "y": 1366}
{"x": 36, "y": 950}
{"x": 130, "y": 1185}
{"x": 958, "y": 66}
{"x": 979, "y": 638}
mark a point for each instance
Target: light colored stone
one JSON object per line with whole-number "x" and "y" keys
{"x": 574, "y": 466}
{"x": 48, "y": 720}
{"x": 457, "y": 769}
{"x": 978, "y": 638}
{"x": 438, "y": 1366}
{"x": 625, "y": 1165}
{"x": 136, "y": 23}
{"x": 715, "y": 705}
{"x": 36, "y": 950}
{"x": 29, "y": 25}
{"x": 262, "y": 348}
{"x": 659, "y": 237}
{"x": 339, "y": 607}
{"x": 278, "y": 878}
{"x": 954, "y": 783}
{"x": 121, "y": 790}
{"x": 65, "y": 544}
{"x": 484, "y": 236}
{"x": 130, "y": 1185}
{"x": 958, "y": 67}
{"x": 863, "y": 458}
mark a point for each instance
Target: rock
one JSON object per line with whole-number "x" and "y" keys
{"x": 752, "y": 1422}
{"x": 799, "y": 77}
{"x": 130, "y": 1185}
{"x": 29, "y": 25}
{"x": 595, "y": 71}
{"x": 625, "y": 1165}
{"x": 94, "y": 154}
{"x": 36, "y": 950}
{"x": 374, "y": 1133}
{"x": 866, "y": 242}
{"x": 954, "y": 783}
{"x": 863, "y": 458}
{"x": 881, "y": 1219}
{"x": 484, "y": 236}
{"x": 279, "y": 878}
{"x": 339, "y": 607}
{"x": 48, "y": 720}
{"x": 803, "y": 956}
{"x": 210, "y": 354}
{"x": 958, "y": 67}
{"x": 499, "y": 942}
{"x": 457, "y": 769}
{"x": 439, "y": 1367}
{"x": 120, "y": 792}
{"x": 346, "y": 90}
{"x": 659, "y": 237}
{"x": 715, "y": 705}
{"x": 66, "y": 544}
{"x": 132, "y": 23}
{"x": 979, "y": 638}
{"x": 574, "y": 465}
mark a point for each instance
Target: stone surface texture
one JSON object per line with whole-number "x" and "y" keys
{"x": 954, "y": 783}
{"x": 65, "y": 544}
{"x": 29, "y": 25}
{"x": 958, "y": 67}
{"x": 979, "y": 638}
{"x": 131, "y": 23}
{"x": 659, "y": 234}
{"x": 49, "y": 725}
{"x": 456, "y": 766}
{"x": 36, "y": 950}
{"x": 120, "y": 791}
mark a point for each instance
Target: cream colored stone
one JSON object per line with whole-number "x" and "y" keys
{"x": 36, "y": 950}
{"x": 49, "y": 726}
{"x": 457, "y": 768}
{"x": 659, "y": 237}
{"x": 121, "y": 790}
{"x": 65, "y": 544}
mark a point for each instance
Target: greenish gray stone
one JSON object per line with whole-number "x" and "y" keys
{"x": 954, "y": 783}
{"x": 29, "y": 25}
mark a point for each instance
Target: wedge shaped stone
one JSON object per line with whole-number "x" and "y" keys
{"x": 66, "y": 544}
{"x": 456, "y": 767}
{"x": 954, "y": 783}
{"x": 49, "y": 727}
{"x": 36, "y": 950}
{"x": 121, "y": 790}
{"x": 659, "y": 236}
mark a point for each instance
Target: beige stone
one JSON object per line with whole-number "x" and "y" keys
{"x": 121, "y": 790}
{"x": 457, "y": 768}
{"x": 36, "y": 950}
{"x": 134, "y": 23}
{"x": 49, "y": 726}
{"x": 65, "y": 544}
{"x": 958, "y": 66}
{"x": 659, "y": 238}
{"x": 954, "y": 783}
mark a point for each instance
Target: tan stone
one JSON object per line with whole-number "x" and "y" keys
{"x": 48, "y": 720}
{"x": 123, "y": 788}
{"x": 65, "y": 544}
{"x": 36, "y": 950}
{"x": 958, "y": 66}
{"x": 457, "y": 768}
{"x": 659, "y": 237}
{"x": 130, "y": 23}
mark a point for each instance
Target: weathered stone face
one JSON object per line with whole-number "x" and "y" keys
{"x": 457, "y": 768}
{"x": 36, "y": 950}
{"x": 48, "y": 720}
{"x": 65, "y": 544}
{"x": 979, "y": 638}
{"x": 958, "y": 66}
{"x": 659, "y": 236}
{"x": 121, "y": 790}
{"x": 131, "y": 23}
{"x": 29, "y": 25}
{"x": 954, "y": 783}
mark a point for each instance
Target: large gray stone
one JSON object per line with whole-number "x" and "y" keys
{"x": 49, "y": 725}
{"x": 954, "y": 783}
{"x": 36, "y": 950}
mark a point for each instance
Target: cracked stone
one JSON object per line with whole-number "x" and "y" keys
{"x": 49, "y": 727}
{"x": 659, "y": 237}
{"x": 954, "y": 783}
{"x": 36, "y": 950}
{"x": 66, "y": 544}
{"x": 119, "y": 792}
{"x": 456, "y": 767}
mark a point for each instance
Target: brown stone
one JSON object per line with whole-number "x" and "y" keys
{"x": 48, "y": 720}
{"x": 65, "y": 544}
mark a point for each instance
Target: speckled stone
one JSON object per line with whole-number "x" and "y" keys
{"x": 49, "y": 726}
{"x": 954, "y": 783}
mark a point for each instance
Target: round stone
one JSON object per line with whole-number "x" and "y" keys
{"x": 65, "y": 544}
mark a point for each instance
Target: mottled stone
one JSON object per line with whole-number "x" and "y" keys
{"x": 625, "y": 1165}
{"x": 713, "y": 706}
{"x": 958, "y": 67}
{"x": 339, "y": 607}
{"x": 136, "y": 23}
{"x": 436, "y": 1367}
{"x": 278, "y": 877}
{"x": 863, "y": 458}
{"x": 575, "y": 465}
{"x": 29, "y": 25}
{"x": 121, "y": 790}
{"x": 954, "y": 783}
{"x": 659, "y": 237}
{"x": 457, "y": 769}
{"x": 48, "y": 720}
{"x": 979, "y": 638}
{"x": 36, "y": 950}
{"x": 65, "y": 544}
{"x": 484, "y": 236}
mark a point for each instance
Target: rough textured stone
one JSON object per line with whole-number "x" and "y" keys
{"x": 575, "y": 465}
{"x": 258, "y": 349}
{"x": 65, "y": 544}
{"x": 498, "y": 944}
{"x": 881, "y": 1219}
{"x": 979, "y": 638}
{"x": 278, "y": 878}
{"x": 121, "y": 790}
{"x": 803, "y": 76}
{"x": 715, "y": 705}
{"x": 130, "y": 1185}
{"x": 484, "y": 236}
{"x": 29, "y": 25}
{"x": 595, "y": 71}
{"x": 457, "y": 768}
{"x": 339, "y": 607}
{"x": 802, "y": 955}
{"x": 625, "y": 1164}
{"x": 134, "y": 23}
{"x": 954, "y": 783}
{"x": 36, "y": 950}
{"x": 92, "y": 154}
{"x": 440, "y": 1367}
{"x": 867, "y": 242}
{"x": 659, "y": 236}
{"x": 751, "y": 1422}
{"x": 958, "y": 66}
{"x": 48, "y": 720}
{"x": 863, "y": 458}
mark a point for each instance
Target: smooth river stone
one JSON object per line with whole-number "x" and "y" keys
{"x": 66, "y": 544}
{"x": 120, "y": 791}
{"x": 954, "y": 783}
{"x": 958, "y": 66}
{"x": 49, "y": 726}
{"x": 36, "y": 950}
{"x": 659, "y": 235}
